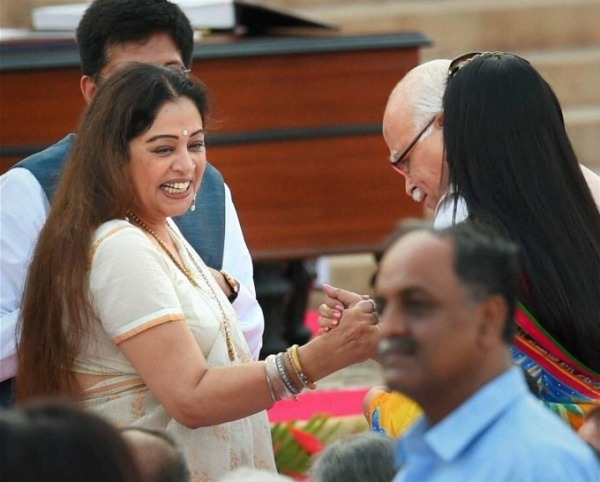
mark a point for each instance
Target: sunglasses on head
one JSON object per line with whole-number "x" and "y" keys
{"x": 460, "y": 61}
{"x": 464, "y": 59}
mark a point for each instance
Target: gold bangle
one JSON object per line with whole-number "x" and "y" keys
{"x": 298, "y": 375}
{"x": 295, "y": 358}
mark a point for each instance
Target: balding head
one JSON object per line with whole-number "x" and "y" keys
{"x": 446, "y": 314}
{"x": 415, "y": 103}
{"x": 421, "y": 91}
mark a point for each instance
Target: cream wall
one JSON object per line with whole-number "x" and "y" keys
{"x": 17, "y": 13}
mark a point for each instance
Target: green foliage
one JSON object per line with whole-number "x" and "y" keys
{"x": 295, "y": 443}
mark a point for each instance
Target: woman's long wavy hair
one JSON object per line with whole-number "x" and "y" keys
{"x": 510, "y": 158}
{"x": 56, "y": 312}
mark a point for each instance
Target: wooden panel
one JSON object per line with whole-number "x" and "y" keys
{"x": 7, "y": 161}
{"x": 302, "y": 188}
{"x": 318, "y": 196}
{"x": 304, "y": 90}
{"x": 39, "y": 106}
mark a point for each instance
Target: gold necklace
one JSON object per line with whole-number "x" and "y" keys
{"x": 226, "y": 328}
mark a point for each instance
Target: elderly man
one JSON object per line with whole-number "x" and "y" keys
{"x": 447, "y": 300}
{"x": 413, "y": 131}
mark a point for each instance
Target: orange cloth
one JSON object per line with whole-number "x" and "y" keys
{"x": 392, "y": 413}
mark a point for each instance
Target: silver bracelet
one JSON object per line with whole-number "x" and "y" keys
{"x": 269, "y": 384}
{"x": 279, "y": 388}
{"x": 285, "y": 376}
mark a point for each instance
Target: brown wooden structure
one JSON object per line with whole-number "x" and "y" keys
{"x": 298, "y": 137}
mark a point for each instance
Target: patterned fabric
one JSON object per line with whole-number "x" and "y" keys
{"x": 566, "y": 386}
{"x": 134, "y": 286}
{"x": 391, "y": 413}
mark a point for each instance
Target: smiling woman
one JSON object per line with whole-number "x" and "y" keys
{"x": 134, "y": 324}
{"x": 167, "y": 162}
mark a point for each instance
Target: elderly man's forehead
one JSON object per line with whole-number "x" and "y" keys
{"x": 398, "y": 99}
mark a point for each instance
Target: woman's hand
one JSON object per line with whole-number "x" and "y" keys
{"x": 336, "y": 300}
{"x": 227, "y": 286}
{"x": 353, "y": 341}
{"x": 220, "y": 280}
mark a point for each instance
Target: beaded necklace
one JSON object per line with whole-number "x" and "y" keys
{"x": 226, "y": 328}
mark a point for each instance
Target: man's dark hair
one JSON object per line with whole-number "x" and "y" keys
{"x": 57, "y": 440}
{"x": 111, "y": 22}
{"x": 487, "y": 264}
{"x": 171, "y": 467}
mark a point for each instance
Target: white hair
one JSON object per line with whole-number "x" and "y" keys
{"x": 356, "y": 458}
{"x": 423, "y": 88}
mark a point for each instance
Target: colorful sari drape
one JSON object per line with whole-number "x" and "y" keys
{"x": 565, "y": 385}
{"x": 391, "y": 413}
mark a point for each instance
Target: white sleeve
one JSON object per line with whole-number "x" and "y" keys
{"x": 237, "y": 260}
{"x": 593, "y": 181}
{"x": 23, "y": 212}
{"x": 130, "y": 285}
{"x": 444, "y": 212}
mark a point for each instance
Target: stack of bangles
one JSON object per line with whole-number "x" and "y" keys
{"x": 281, "y": 384}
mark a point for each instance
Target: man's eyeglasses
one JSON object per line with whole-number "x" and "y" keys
{"x": 400, "y": 162}
{"x": 182, "y": 69}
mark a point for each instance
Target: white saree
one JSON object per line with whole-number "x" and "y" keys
{"x": 134, "y": 286}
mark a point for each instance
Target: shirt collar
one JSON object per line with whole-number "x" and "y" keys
{"x": 455, "y": 432}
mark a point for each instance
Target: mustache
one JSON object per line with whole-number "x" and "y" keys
{"x": 402, "y": 345}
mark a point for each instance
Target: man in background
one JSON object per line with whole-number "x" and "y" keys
{"x": 413, "y": 131}
{"x": 447, "y": 298}
{"x": 111, "y": 34}
{"x": 157, "y": 456}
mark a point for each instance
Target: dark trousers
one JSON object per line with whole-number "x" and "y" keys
{"x": 6, "y": 393}
{"x": 282, "y": 290}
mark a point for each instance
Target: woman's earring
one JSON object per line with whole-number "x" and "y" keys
{"x": 193, "y": 206}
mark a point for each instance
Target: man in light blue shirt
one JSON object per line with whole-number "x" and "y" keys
{"x": 448, "y": 297}
{"x": 500, "y": 433}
